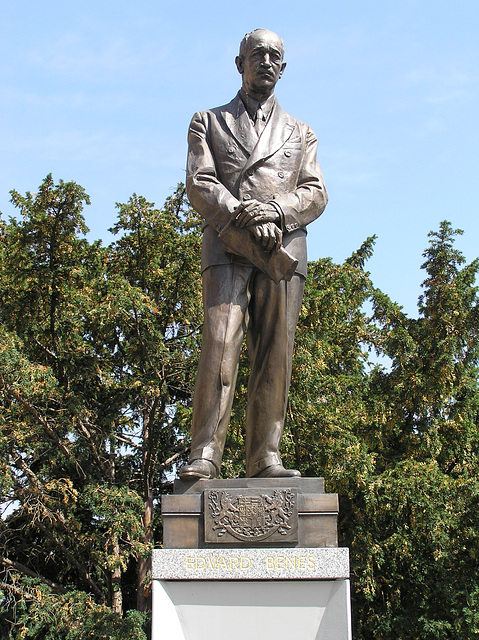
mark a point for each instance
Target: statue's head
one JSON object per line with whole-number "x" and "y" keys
{"x": 260, "y": 62}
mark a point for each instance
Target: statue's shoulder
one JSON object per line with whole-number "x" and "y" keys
{"x": 304, "y": 129}
{"x": 299, "y": 123}
{"x": 230, "y": 107}
{"x": 218, "y": 112}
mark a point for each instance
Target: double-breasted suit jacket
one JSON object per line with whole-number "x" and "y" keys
{"x": 228, "y": 163}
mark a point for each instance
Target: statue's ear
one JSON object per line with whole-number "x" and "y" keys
{"x": 283, "y": 67}
{"x": 239, "y": 60}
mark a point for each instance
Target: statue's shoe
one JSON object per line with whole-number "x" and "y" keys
{"x": 200, "y": 468}
{"x": 278, "y": 471}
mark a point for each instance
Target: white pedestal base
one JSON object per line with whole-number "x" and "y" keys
{"x": 243, "y": 610}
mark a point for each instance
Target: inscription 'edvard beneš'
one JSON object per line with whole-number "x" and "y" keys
{"x": 239, "y": 563}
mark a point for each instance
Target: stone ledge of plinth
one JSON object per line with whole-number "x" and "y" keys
{"x": 302, "y": 485}
{"x": 251, "y": 564}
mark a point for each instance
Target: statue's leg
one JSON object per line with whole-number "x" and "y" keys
{"x": 274, "y": 311}
{"x": 225, "y": 300}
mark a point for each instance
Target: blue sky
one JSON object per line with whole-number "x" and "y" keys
{"x": 102, "y": 93}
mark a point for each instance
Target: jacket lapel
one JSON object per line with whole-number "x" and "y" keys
{"x": 278, "y": 129}
{"x": 239, "y": 123}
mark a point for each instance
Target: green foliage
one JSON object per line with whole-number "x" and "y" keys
{"x": 40, "y": 613}
{"x": 385, "y": 407}
{"x": 397, "y": 441}
{"x": 98, "y": 352}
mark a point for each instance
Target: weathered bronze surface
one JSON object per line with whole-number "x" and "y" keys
{"x": 246, "y": 515}
{"x": 189, "y": 522}
{"x": 301, "y": 485}
{"x": 253, "y": 175}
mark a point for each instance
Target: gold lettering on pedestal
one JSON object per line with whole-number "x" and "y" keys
{"x": 290, "y": 562}
{"x": 218, "y": 563}
{"x": 239, "y": 563}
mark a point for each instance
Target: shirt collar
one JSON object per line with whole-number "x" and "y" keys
{"x": 251, "y": 105}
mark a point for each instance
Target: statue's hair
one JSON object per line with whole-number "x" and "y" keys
{"x": 244, "y": 42}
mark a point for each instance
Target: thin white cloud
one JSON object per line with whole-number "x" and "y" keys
{"x": 354, "y": 167}
{"x": 100, "y": 148}
{"x": 67, "y": 98}
{"x": 79, "y": 57}
{"x": 440, "y": 83}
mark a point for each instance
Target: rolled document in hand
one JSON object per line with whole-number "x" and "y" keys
{"x": 278, "y": 265}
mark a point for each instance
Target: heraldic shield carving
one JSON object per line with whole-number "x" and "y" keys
{"x": 242, "y": 515}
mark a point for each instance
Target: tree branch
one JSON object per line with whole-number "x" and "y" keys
{"x": 71, "y": 558}
{"x": 32, "y": 574}
{"x": 46, "y": 427}
{"x": 18, "y": 592}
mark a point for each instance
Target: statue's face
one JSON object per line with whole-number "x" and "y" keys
{"x": 262, "y": 64}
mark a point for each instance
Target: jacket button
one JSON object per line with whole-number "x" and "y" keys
{"x": 287, "y": 153}
{"x": 281, "y": 174}
{"x": 231, "y": 149}
{"x": 247, "y": 196}
{"x": 250, "y": 172}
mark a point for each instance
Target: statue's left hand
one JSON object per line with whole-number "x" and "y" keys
{"x": 268, "y": 235}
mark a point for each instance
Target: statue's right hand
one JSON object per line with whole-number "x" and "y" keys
{"x": 254, "y": 212}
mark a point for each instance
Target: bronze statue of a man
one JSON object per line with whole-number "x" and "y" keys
{"x": 253, "y": 176}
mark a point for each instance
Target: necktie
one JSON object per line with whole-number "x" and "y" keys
{"x": 259, "y": 123}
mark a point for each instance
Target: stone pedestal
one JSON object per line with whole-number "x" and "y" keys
{"x": 251, "y": 558}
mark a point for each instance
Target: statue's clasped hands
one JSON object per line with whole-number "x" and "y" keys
{"x": 261, "y": 221}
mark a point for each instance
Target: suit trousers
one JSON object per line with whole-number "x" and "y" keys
{"x": 240, "y": 299}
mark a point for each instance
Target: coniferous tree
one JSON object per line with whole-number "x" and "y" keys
{"x": 98, "y": 350}
{"x": 397, "y": 441}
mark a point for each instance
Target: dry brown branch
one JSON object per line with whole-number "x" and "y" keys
{"x": 71, "y": 558}
{"x": 32, "y": 574}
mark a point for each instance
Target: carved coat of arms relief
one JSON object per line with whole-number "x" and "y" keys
{"x": 247, "y": 516}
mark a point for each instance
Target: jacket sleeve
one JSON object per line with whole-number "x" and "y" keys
{"x": 209, "y": 197}
{"x": 308, "y": 200}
